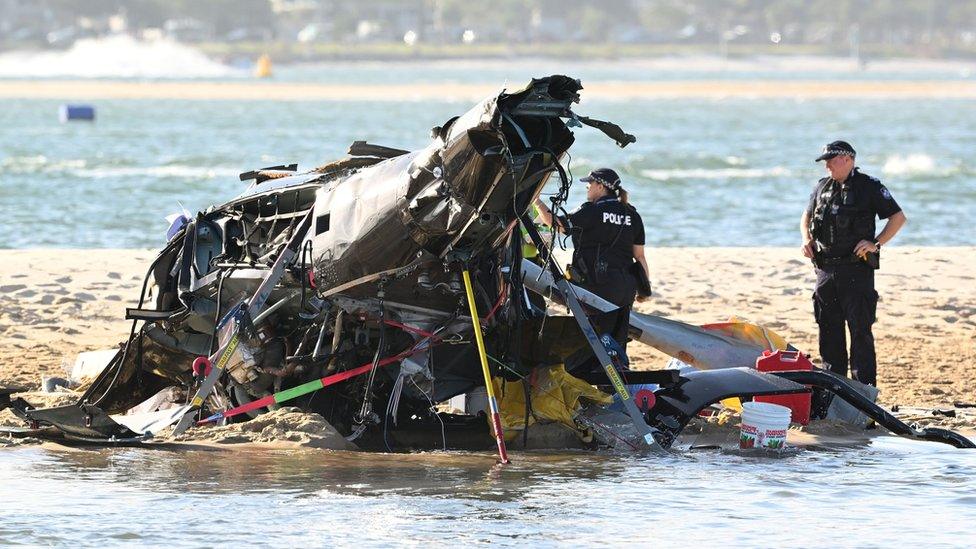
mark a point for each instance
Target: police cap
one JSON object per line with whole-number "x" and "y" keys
{"x": 836, "y": 148}
{"x": 604, "y": 176}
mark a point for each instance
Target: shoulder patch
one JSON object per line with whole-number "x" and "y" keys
{"x": 885, "y": 193}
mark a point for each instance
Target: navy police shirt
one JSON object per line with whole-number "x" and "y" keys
{"x": 844, "y": 213}
{"x": 608, "y": 229}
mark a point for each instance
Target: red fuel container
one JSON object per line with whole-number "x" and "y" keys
{"x": 779, "y": 361}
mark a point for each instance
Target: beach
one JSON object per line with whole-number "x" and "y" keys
{"x": 55, "y": 303}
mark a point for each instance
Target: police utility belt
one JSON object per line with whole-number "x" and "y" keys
{"x": 580, "y": 271}
{"x": 872, "y": 260}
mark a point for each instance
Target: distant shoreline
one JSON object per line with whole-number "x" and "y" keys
{"x": 290, "y": 91}
{"x": 393, "y": 51}
{"x": 291, "y": 52}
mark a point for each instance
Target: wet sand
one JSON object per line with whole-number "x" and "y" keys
{"x": 287, "y": 91}
{"x": 57, "y": 303}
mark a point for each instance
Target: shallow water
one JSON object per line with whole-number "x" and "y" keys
{"x": 892, "y": 492}
{"x": 734, "y": 172}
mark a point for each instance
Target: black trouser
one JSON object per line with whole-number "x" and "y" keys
{"x": 618, "y": 287}
{"x": 845, "y": 294}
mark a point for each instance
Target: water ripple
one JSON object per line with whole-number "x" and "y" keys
{"x": 702, "y": 173}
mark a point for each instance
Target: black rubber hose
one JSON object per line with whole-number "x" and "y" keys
{"x": 366, "y": 407}
{"x": 839, "y": 386}
{"x": 125, "y": 350}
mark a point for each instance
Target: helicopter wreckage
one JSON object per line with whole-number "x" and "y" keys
{"x": 373, "y": 288}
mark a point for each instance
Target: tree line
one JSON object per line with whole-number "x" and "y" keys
{"x": 935, "y": 23}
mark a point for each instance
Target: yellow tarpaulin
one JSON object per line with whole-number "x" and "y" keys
{"x": 555, "y": 395}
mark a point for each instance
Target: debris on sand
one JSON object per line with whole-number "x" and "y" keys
{"x": 287, "y": 424}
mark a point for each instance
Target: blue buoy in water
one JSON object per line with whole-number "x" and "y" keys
{"x": 76, "y": 112}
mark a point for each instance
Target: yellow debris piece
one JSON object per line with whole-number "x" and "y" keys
{"x": 747, "y": 331}
{"x": 529, "y": 250}
{"x": 732, "y": 403}
{"x": 555, "y": 395}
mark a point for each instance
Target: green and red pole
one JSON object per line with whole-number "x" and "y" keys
{"x": 303, "y": 389}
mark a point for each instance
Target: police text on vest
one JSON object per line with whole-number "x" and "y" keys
{"x": 616, "y": 219}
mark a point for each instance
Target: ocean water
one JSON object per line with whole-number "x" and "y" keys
{"x": 889, "y": 493}
{"x": 734, "y": 172}
{"x": 704, "y": 172}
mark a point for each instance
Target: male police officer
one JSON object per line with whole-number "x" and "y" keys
{"x": 838, "y": 230}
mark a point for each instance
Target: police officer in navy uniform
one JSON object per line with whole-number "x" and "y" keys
{"x": 838, "y": 230}
{"x": 608, "y": 238}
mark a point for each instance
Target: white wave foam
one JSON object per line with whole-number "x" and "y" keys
{"x": 910, "y": 164}
{"x": 180, "y": 171}
{"x": 38, "y": 164}
{"x": 118, "y": 56}
{"x": 16, "y": 164}
{"x": 721, "y": 173}
{"x": 79, "y": 167}
{"x": 799, "y": 64}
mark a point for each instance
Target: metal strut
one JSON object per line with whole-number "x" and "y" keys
{"x": 838, "y": 386}
{"x": 565, "y": 288}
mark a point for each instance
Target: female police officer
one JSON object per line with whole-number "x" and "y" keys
{"x": 608, "y": 237}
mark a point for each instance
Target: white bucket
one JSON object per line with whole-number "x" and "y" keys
{"x": 764, "y": 425}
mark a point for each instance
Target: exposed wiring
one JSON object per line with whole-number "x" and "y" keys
{"x": 391, "y": 409}
{"x": 434, "y": 410}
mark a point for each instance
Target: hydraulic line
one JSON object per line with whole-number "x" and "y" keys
{"x": 367, "y": 408}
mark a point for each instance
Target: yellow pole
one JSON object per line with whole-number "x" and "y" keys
{"x": 496, "y": 419}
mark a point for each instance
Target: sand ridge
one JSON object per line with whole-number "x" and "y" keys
{"x": 57, "y": 303}
{"x": 295, "y": 91}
